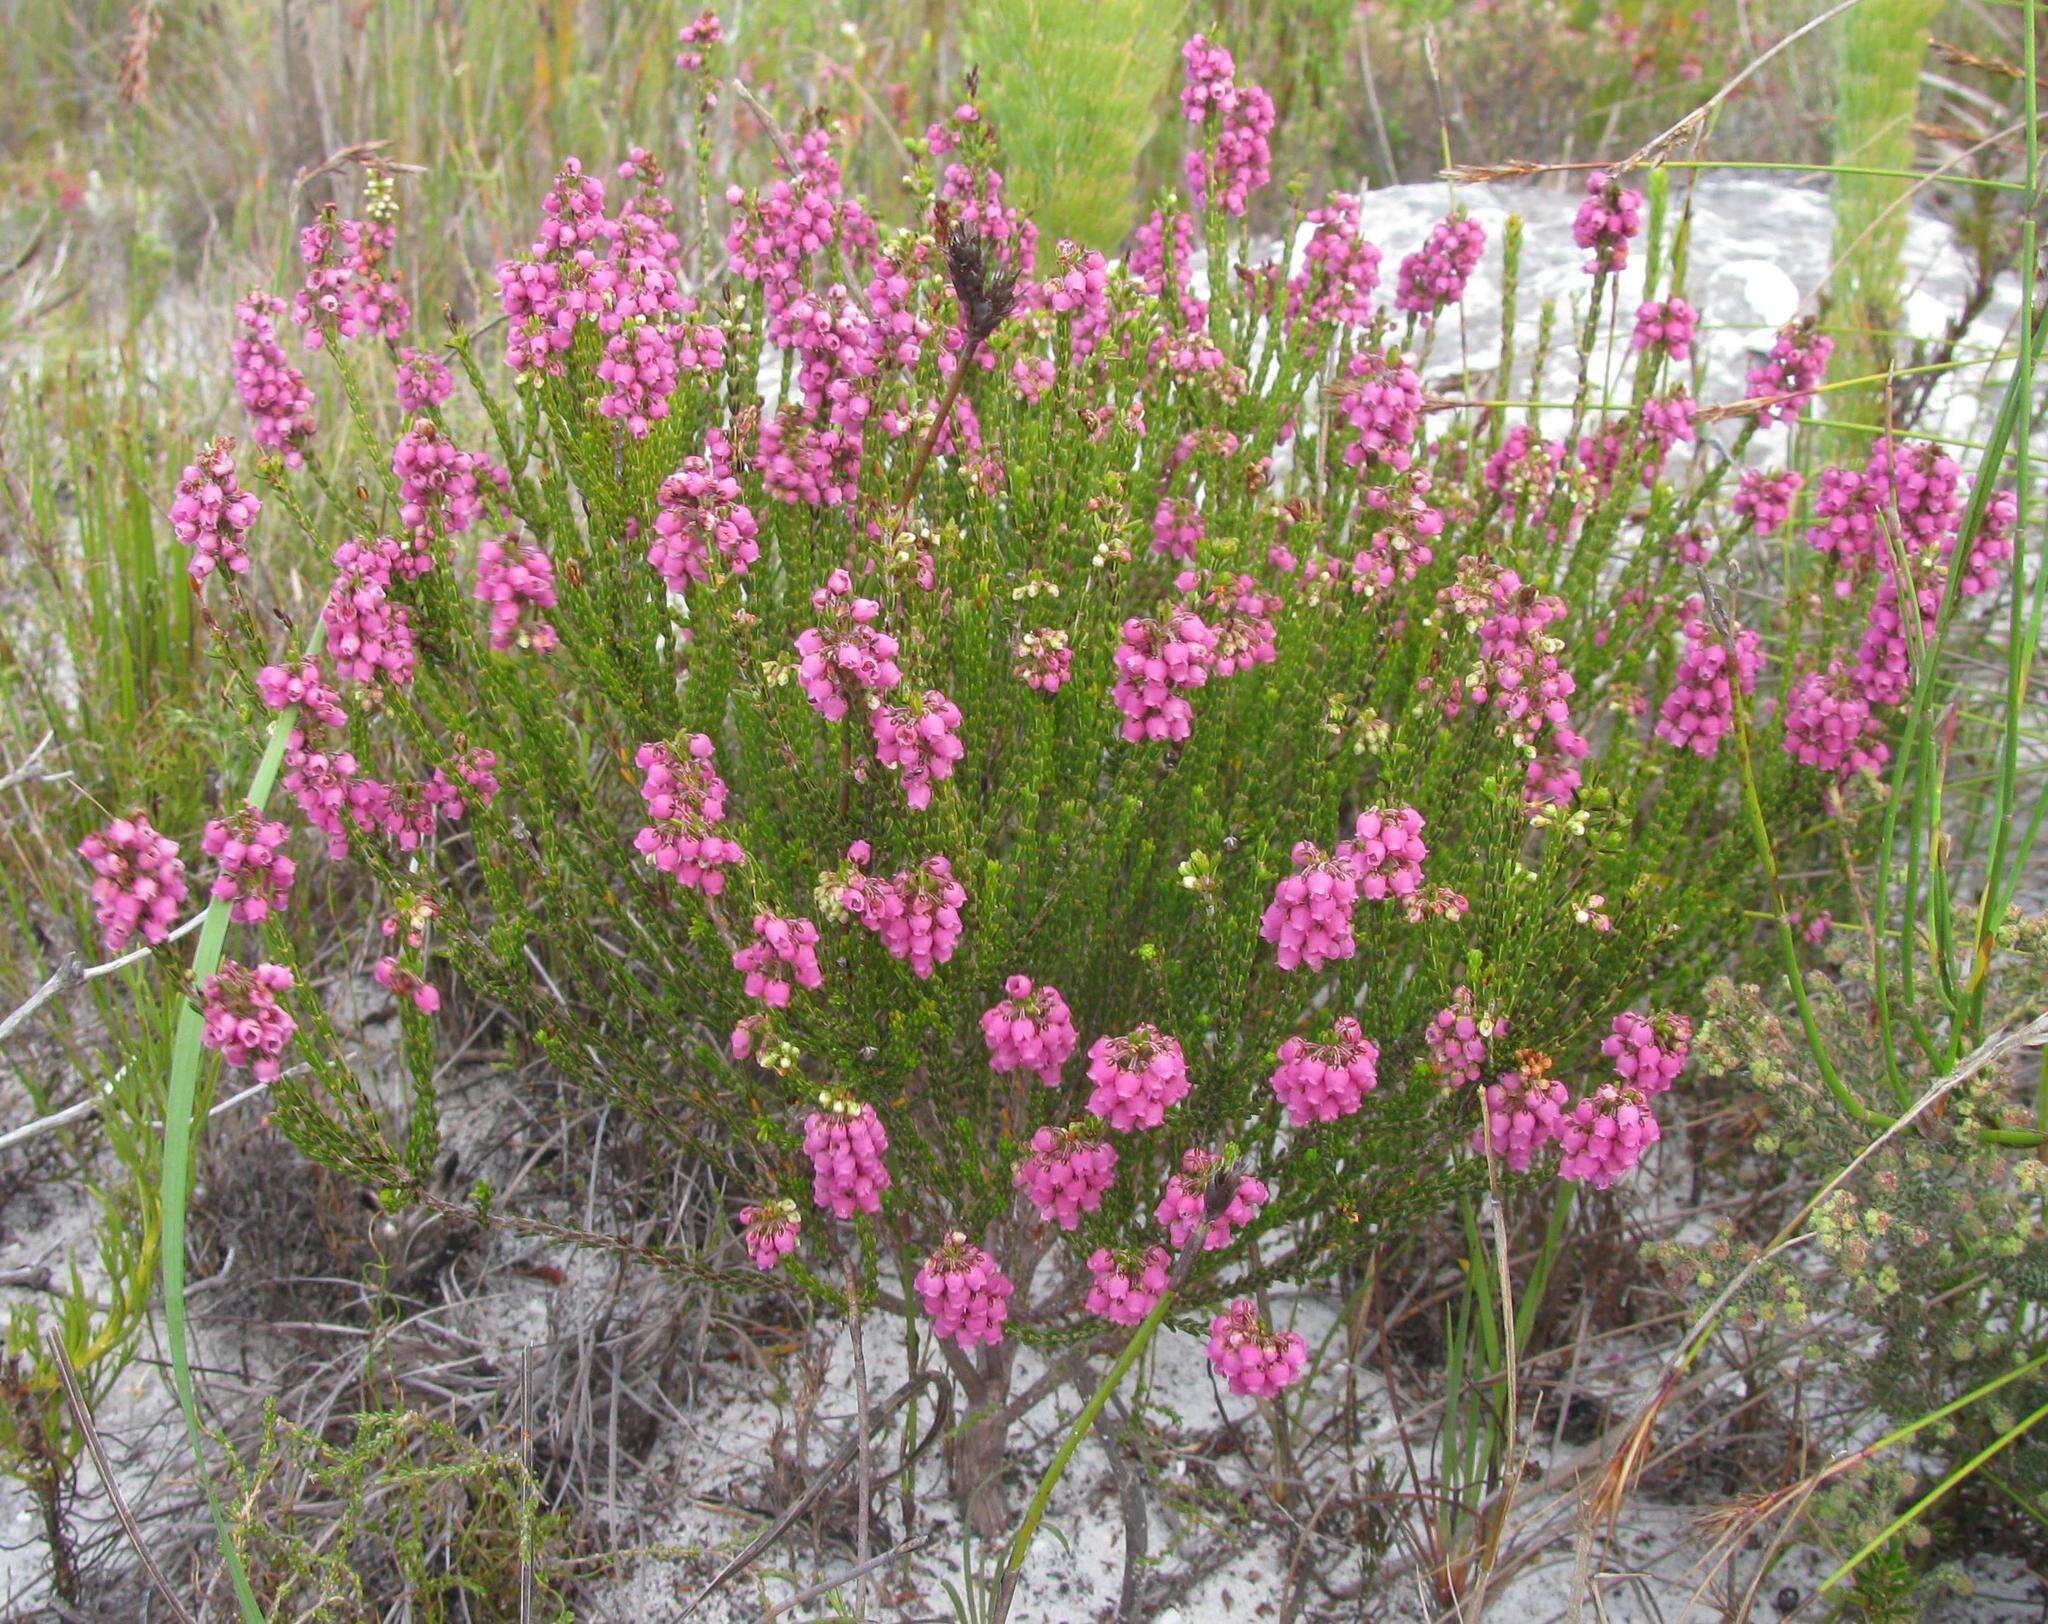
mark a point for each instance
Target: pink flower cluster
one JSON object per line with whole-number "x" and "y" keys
{"x": 1765, "y": 499}
{"x": 1177, "y": 527}
{"x": 1434, "y": 276}
{"x": 424, "y": 381}
{"x": 138, "y": 881}
{"x": 699, "y": 511}
{"x": 1381, "y": 399}
{"x": 1700, "y": 709}
{"x": 703, "y": 30}
{"x": 1523, "y": 471}
{"x": 1044, "y": 661}
{"x": 1648, "y": 1051}
{"x": 1607, "y": 221}
{"x": 1158, "y": 663}
{"x": 1256, "y": 1360}
{"x": 1239, "y": 119}
{"x": 545, "y": 295}
{"x": 1386, "y": 852}
{"x": 441, "y": 488}
{"x": 1666, "y": 325}
{"x": 846, "y": 1144}
{"x": 1522, "y": 1114}
{"x": 1184, "y": 1208}
{"x": 304, "y": 686}
{"x": 322, "y": 782}
{"x": 770, "y": 1231}
{"x": 623, "y": 275}
{"x": 1520, "y": 675}
{"x": 516, "y": 581}
{"x": 405, "y": 986}
{"x": 916, "y": 913}
{"x": 244, "y": 1022}
{"x": 255, "y": 875}
{"x": 1079, "y": 293}
{"x": 1458, "y": 1037}
{"x": 1829, "y": 724}
{"x": 1604, "y": 1135}
{"x": 212, "y": 514}
{"x": 1309, "y": 918}
{"x": 919, "y": 739}
{"x": 964, "y": 1292}
{"x": 1126, "y": 1286}
{"x": 478, "y": 770}
{"x": 1241, "y": 616}
{"x": 369, "y": 637}
{"x": 782, "y": 956}
{"x": 1339, "y": 270}
{"x": 1136, "y": 1077}
{"x": 650, "y": 339}
{"x": 274, "y": 392}
{"x": 1030, "y": 1029}
{"x": 348, "y": 287}
{"x": 847, "y": 654}
{"x": 1066, "y": 1172}
{"x": 686, "y": 801}
{"x": 1322, "y": 1082}
{"x": 1786, "y": 378}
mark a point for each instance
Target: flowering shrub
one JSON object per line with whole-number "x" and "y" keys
{"x": 1014, "y": 650}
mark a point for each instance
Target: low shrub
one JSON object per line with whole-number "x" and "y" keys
{"x": 1087, "y": 793}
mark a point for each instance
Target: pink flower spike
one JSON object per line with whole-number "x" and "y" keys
{"x": 255, "y": 875}
{"x": 1137, "y": 1077}
{"x": 1608, "y": 219}
{"x": 213, "y": 515}
{"x": 919, "y": 739}
{"x": 782, "y": 955}
{"x": 138, "y": 881}
{"x": 1127, "y": 1285}
{"x": 846, "y": 1144}
{"x": 244, "y": 1022}
{"x": 1434, "y": 277}
{"x": 273, "y": 391}
{"x": 1386, "y": 852}
{"x": 1322, "y": 1082}
{"x": 1185, "y": 1207}
{"x": 1309, "y": 918}
{"x": 1458, "y": 1037}
{"x": 1648, "y": 1051}
{"x": 516, "y": 580}
{"x": 1256, "y": 1360}
{"x": 1604, "y": 1135}
{"x": 686, "y": 799}
{"x": 1524, "y": 1111}
{"x": 916, "y": 913}
{"x": 1159, "y": 662}
{"x": 964, "y": 1292}
{"x": 770, "y": 1231}
{"x": 1066, "y": 1172}
{"x": 1030, "y": 1029}
{"x": 424, "y": 381}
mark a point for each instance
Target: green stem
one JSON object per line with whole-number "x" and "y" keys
{"x": 1020, "y": 1546}
{"x": 179, "y": 1111}
{"x": 1920, "y": 1507}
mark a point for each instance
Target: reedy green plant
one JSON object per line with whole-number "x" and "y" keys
{"x": 1078, "y": 87}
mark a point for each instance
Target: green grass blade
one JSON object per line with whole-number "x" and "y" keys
{"x": 177, "y": 1164}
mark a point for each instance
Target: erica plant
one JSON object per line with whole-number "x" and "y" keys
{"x": 1067, "y": 786}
